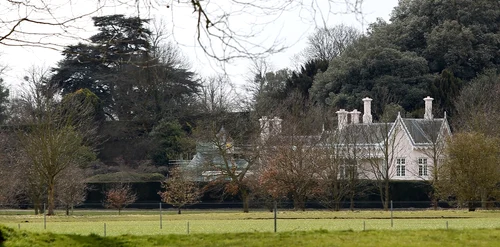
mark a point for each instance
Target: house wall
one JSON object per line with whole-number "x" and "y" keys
{"x": 403, "y": 149}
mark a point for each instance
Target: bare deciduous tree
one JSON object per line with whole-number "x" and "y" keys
{"x": 293, "y": 158}
{"x": 10, "y": 173}
{"x": 340, "y": 177}
{"x": 327, "y": 43}
{"x": 218, "y": 95}
{"x": 51, "y": 135}
{"x": 33, "y": 99}
{"x": 179, "y": 190}
{"x": 230, "y": 162}
{"x": 119, "y": 196}
{"x": 384, "y": 156}
{"x": 33, "y": 186}
{"x": 33, "y": 22}
{"x": 71, "y": 189}
{"x": 291, "y": 168}
{"x": 51, "y": 151}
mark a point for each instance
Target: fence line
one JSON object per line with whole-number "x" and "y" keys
{"x": 269, "y": 205}
{"x": 279, "y": 219}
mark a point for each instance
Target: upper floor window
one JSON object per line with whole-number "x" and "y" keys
{"x": 400, "y": 167}
{"x": 422, "y": 167}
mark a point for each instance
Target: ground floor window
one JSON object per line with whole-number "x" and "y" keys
{"x": 400, "y": 167}
{"x": 422, "y": 167}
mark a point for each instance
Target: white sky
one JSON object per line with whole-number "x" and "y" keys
{"x": 290, "y": 29}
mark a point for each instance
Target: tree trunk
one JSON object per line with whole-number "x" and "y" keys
{"x": 67, "y": 210}
{"x": 336, "y": 196}
{"x": 179, "y": 210}
{"x": 299, "y": 203}
{"x": 351, "y": 207}
{"x": 386, "y": 196}
{"x": 244, "y": 199}
{"x": 37, "y": 207}
{"x": 484, "y": 200}
{"x": 471, "y": 205}
{"x": 434, "y": 201}
{"x": 50, "y": 199}
{"x": 336, "y": 206}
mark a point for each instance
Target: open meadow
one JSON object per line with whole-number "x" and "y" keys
{"x": 147, "y": 222}
{"x": 232, "y": 228}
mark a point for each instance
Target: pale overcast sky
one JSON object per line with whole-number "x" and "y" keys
{"x": 291, "y": 29}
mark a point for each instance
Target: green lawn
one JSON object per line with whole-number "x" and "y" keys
{"x": 136, "y": 222}
{"x": 428, "y": 238}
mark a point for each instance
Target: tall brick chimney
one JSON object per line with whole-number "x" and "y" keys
{"x": 367, "y": 115}
{"x": 428, "y": 108}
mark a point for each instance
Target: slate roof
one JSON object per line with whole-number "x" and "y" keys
{"x": 420, "y": 131}
{"x": 423, "y": 131}
{"x": 367, "y": 134}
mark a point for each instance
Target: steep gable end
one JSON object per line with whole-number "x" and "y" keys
{"x": 423, "y": 131}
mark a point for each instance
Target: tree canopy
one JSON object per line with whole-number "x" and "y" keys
{"x": 120, "y": 67}
{"x": 428, "y": 48}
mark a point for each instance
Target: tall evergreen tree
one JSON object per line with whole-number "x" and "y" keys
{"x": 122, "y": 68}
{"x": 445, "y": 89}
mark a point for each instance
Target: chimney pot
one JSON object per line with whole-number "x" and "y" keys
{"x": 355, "y": 116}
{"x": 342, "y": 118}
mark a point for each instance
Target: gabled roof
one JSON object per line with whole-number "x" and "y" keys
{"x": 365, "y": 134}
{"x": 419, "y": 131}
{"x": 423, "y": 131}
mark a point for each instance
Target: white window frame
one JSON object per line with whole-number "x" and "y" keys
{"x": 400, "y": 167}
{"x": 423, "y": 167}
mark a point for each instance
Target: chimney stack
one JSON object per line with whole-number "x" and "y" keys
{"x": 342, "y": 117}
{"x": 367, "y": 115}
{"x": 428, "y": 108}
{"x": 355, "y": 116}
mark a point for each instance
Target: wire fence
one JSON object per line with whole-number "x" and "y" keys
{"x": 160, "y": 218}
{"x": 265, "y": 205}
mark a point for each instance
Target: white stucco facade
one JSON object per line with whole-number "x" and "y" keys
{"x": 411, "y": 146}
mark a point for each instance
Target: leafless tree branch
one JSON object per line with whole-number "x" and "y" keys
{"x": 218, "y": 25}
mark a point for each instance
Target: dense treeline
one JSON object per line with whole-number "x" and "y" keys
{"x": 428, "y": 48}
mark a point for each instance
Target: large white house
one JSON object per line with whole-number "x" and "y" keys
{"x": 406, "y": 149}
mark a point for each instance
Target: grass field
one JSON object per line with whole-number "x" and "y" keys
{"x": 232, "y": 228}
{"x": 428, "y": 238}
{"x": 136, "y": 222}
